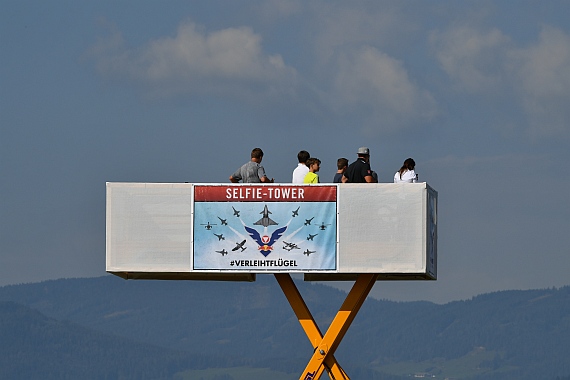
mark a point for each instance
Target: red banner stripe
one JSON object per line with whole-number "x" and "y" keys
{"x": 266, "y": 193}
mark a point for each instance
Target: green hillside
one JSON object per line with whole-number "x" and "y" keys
{"x": 33, "y": 346}
{"x": 503, "y": 335}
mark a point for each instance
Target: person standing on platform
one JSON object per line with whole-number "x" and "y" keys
{"x": 314, "y": 165}
{"x": 341, "y": 164}
{"x": 252, "y": 171}
{"x": 359, "y": 171}
{"x": 406, "y": 174}
{"x": 301, "y": 170}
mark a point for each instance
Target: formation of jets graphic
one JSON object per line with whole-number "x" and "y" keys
{"x": 307, "y": 252}
{"x": 208, "y": 226}
{"x": 310, "y": 237}
{"x": 240, "y": 246}
{"x": 290, "y": 246}
{"x": 265, "y": 219}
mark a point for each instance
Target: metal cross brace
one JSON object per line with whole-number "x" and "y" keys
{"x": 325, "y": 346}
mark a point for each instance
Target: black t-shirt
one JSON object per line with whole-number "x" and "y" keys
{"x": 356, "y": 171}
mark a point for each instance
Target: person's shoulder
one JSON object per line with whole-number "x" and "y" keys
{"x": 309, "y": 177}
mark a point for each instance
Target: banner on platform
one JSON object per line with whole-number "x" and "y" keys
{"x": 265, "y": 228}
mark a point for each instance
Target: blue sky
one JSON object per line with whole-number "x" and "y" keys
{"x": 477, "y": 92}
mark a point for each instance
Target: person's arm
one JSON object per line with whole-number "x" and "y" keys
{"x": 262, "y": 176}
{"x": 369, "y": 175}
{"x": 414, "y": 177}
{"x": 370, "y": 179}
{"x": 236, "y": 177}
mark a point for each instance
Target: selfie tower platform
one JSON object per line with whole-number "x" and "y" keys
{"x": 232, "y": 232}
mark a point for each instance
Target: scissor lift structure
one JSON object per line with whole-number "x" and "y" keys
{"x": 347, "y": 232}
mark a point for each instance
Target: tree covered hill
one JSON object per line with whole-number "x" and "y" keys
{"x": 502, "y": 335}
{"x": 33, "y": 346}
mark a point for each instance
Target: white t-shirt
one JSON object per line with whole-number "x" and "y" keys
{"x": 299, "y": 173}
{"x": 408, "y": 176}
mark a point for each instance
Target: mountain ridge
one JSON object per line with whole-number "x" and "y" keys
{"x": 514, "y": 334}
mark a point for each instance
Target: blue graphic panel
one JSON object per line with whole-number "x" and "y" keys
{"x": 265, "y": 236}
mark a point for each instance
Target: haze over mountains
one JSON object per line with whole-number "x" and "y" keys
{"x": 109, "y": 328}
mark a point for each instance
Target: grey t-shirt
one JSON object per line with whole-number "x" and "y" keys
{"x": 251, "y": 172}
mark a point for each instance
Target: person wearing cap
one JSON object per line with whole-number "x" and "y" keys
{"x": 359, "y": 171}
{"x": 252, "y": 171}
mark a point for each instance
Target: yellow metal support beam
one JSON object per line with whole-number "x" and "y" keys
{"x": 308, "y": 323}
{"x": 325, "y": 346}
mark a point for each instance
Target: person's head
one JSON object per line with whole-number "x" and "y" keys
{"x": 314, "y": 164}
{"x": 409, "y": 164}
{"x": 303, "y": 156}
{"x": 364, "y": 153}
{"x": 341, "y": 164}
{"x": 257, "y": 155}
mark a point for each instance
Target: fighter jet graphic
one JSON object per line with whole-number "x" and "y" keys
{"x": 208, "y": 226}
{"x": 240, "y": 246}
{"x": 236, "y": 212}
{"x": 265, "y": 220}
{"x": 220, "y": 237}
{"x": 223, "y": 221}
{"x": 307, "y": 252}
{"x": 290, "y": 246}
{"x": 223, "y": 252}
{"x": 323, "y": 226}
{"x": 310, "y": 237}
{"x": 308, "y": 221}
{"x": 296, "y": 212}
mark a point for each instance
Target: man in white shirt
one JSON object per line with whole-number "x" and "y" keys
{"x": 302, "y": 169}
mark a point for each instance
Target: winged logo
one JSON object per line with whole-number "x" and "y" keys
{"x": 265, "y": 243}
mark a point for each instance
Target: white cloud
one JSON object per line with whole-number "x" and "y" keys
{"x": 474, "y": 59}
{"x": 536, "y": 78}
{"x": 543, "y": 82}
{"x": 343, "y": 26}
{"x": 225, "y": 62}
{"x": 379, "y": 85}
{"x": 361, "y": 81}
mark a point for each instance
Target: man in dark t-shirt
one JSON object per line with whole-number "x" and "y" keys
{"x": 359, "y": 171}
{"x": 341, "y": 164}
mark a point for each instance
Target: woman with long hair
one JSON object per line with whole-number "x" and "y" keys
{"x": 406, "y": 172}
